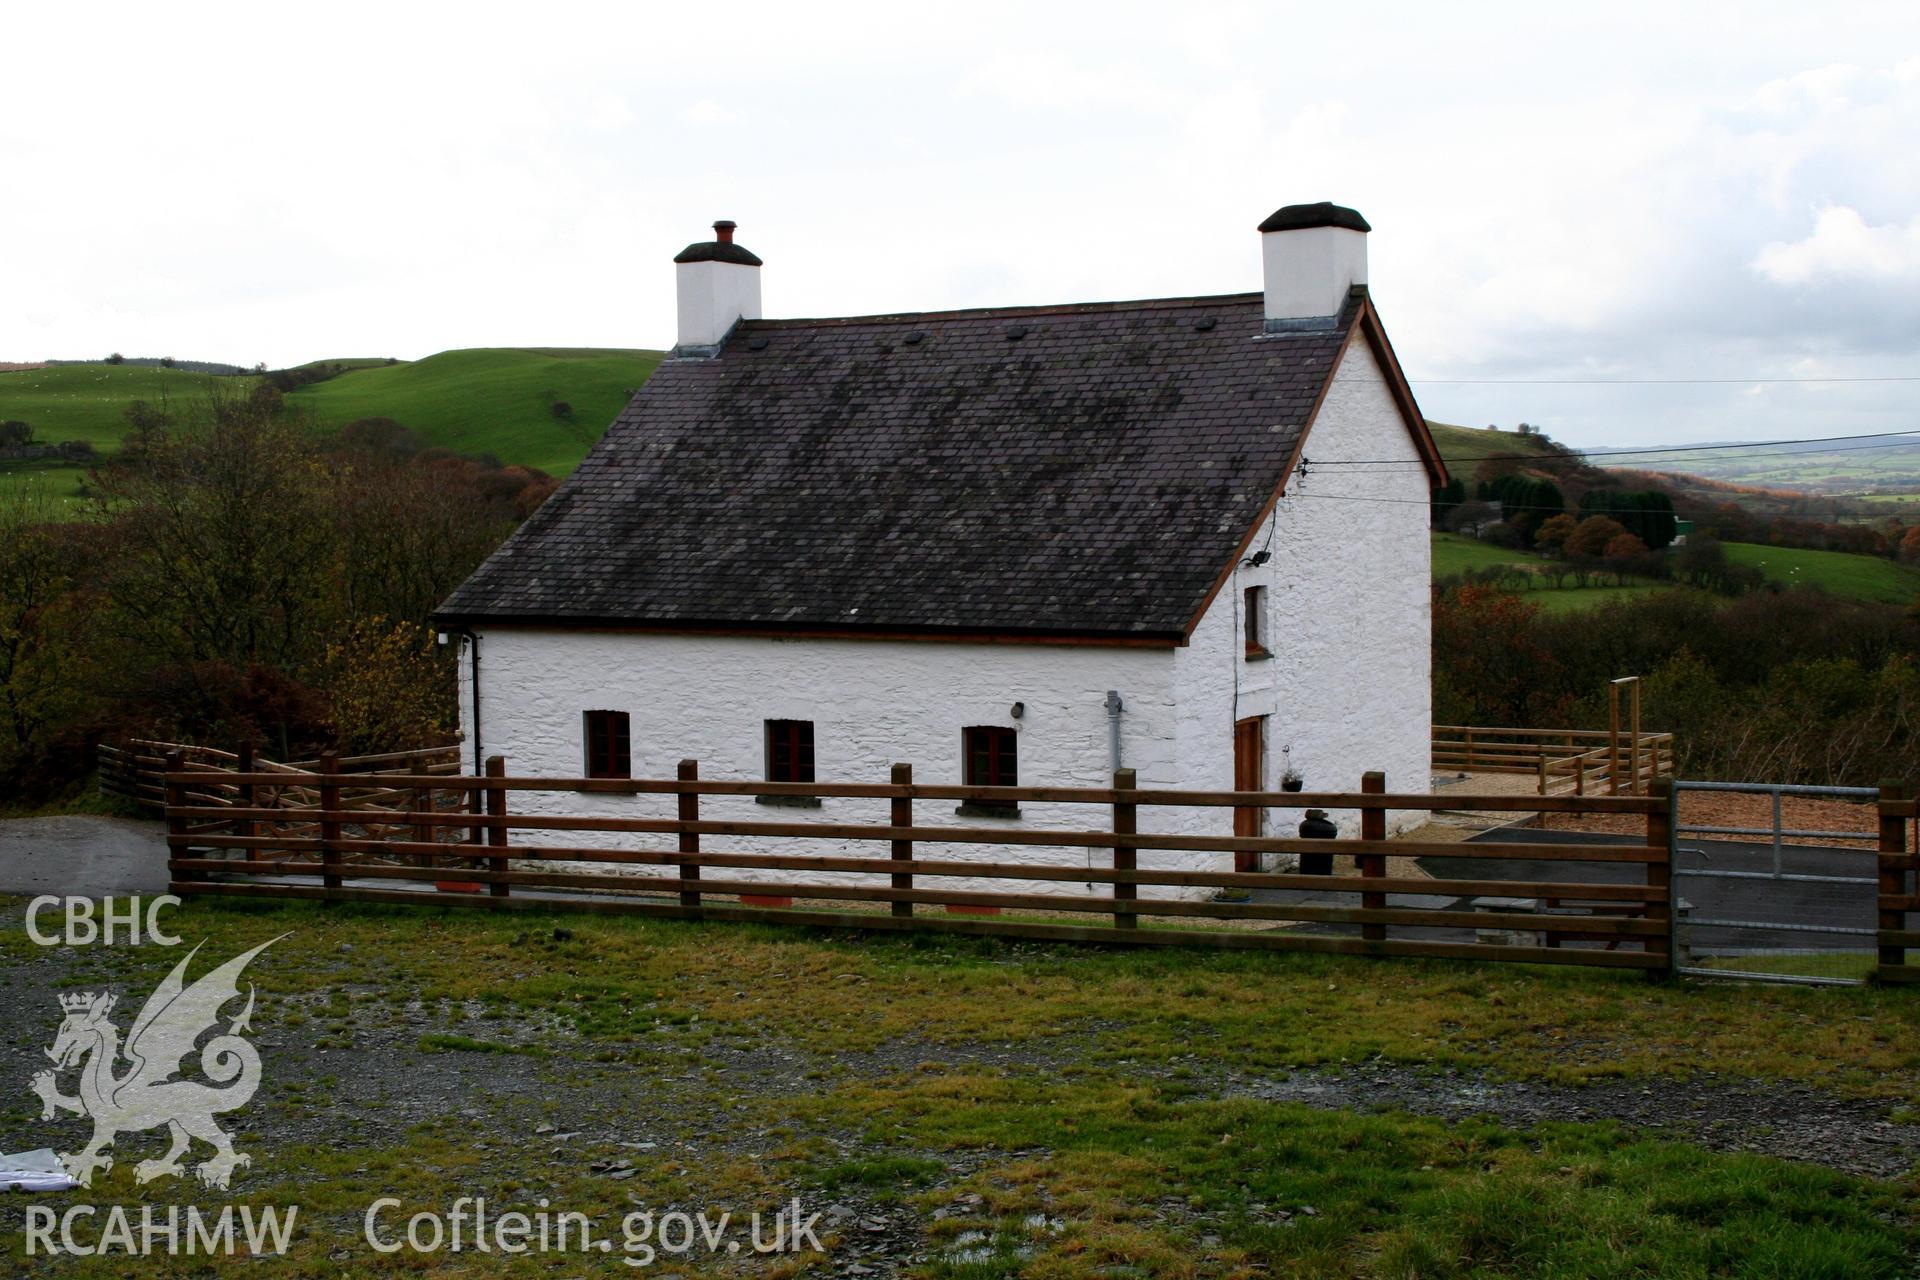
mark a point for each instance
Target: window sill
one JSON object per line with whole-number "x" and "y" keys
{"x": 789, "y": 802}
{"x": 982, "y": 809}
{"x": 1259, "y": 655}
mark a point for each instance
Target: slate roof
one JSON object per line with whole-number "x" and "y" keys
{"x": 1083, "y": 470}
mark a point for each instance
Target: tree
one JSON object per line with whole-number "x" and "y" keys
{"x": 166, "y": 362}
{"x": 1645, "y": 513}
{"x": 1910, "y": 545}
{"x": 116, "y": 358}
{"x": 1551, "y": 536}
{"x": 40, "y": 635}
{"x": 1591, "y": 536}
{"x": 15, "y": 432}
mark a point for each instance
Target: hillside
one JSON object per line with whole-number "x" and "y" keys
{"x": 1855, "y": 577}
{"x": 1464, "y": 448}
{"x": 486, "y": 400}
{"x": 89, "y": 401}
{"x": 496, "y": 400}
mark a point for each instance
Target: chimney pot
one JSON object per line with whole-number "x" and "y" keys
{"x": 723, "y": 231}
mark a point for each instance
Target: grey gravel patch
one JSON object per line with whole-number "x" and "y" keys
{"x": 1767, "y": 1117}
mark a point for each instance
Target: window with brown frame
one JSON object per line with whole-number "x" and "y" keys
{"x": 789, "y": 751}
{"x": 1256, "y": 623}
{"x": 609, "y": 744}
{"x": 992, "y": 757}
{"x": 991, "y": 760}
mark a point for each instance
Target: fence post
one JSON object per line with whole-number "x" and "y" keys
{"x": 689, "y": 840}
{"x": 244, "y": 798}
{"x": 420, "y": 802}
{"x": 901, "y": 815}
{"x": 176, "y": 797}
{"x": 1660, "y": 822}
{"x": 329, "y": 825}
{"x": 1125, "y": 857}
{"x": 497, "y": 823}
{"x": 1373, "y": 866}
{"x": 1469, "y": 750}
{"x": 1893, "y": 878}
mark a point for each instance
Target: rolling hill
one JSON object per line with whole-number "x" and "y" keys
{"x": 89, "y": 401}
{"x": 497, "y": 400}
{"x": 1463, "y": 448}
{"x": 1854, "y": 577}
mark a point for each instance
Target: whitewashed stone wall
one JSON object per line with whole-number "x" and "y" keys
{"x": 1346, "y": 691}
{"x": 1349, "y": 688}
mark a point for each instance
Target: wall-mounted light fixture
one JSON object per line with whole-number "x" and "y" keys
{"x": 1017, "y": 710}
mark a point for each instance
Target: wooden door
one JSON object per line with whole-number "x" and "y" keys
{"x": 1249, "y": 774}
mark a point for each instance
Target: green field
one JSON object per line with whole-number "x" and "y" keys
{"x": 1454, "y": 553}
{"x": 496, "y": 400}
{"x": 1854, "y": 576}
{"x": 89, "y": 401}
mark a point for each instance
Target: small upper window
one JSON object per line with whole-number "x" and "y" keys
{"x": 609, "y": 744}
{"x": 1256, "y": 623}
{"x": 992, "y": 757}
{"x": 789, "y": 751}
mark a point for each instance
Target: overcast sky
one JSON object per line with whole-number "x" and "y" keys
{"x": 1613, "y": 192}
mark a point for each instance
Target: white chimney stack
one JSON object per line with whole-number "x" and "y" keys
{"x": 718, "y": 283}
{"x": 1313, "y": 254}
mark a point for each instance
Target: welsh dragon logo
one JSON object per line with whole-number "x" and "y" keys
{"x": 148, "y": 1093}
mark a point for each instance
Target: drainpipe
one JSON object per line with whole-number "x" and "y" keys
{"x": 473, "y": 657}
{"x": 1114, "y": 707}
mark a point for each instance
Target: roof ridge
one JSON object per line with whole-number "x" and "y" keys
{"x": 994, "y": 313}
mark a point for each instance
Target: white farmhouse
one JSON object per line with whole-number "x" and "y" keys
{"x": 1029, "y": 544}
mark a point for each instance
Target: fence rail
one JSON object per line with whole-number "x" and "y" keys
{"x": 1575, "y": 762}
{"x": 469, "y": 833}
{"x": 134, "y": 770}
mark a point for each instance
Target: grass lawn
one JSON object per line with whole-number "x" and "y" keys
{"x": 492, "y": 400}
{"x": 1841, "y": 573}
{"x": 976, "y": 1108}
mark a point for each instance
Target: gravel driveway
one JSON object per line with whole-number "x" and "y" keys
{"x": 82, "y": 856}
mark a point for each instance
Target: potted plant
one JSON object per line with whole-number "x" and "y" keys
{"x": 1290, "y": 779}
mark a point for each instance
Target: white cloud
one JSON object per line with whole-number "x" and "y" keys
{"x": 708, "y": 112}
{"x": 1552, "y": 197}
{"x": 1843, "y": 247}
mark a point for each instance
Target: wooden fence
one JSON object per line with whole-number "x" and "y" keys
{"x": 1576, "y": 762}
{"x": 475, "y": 835}
{"x": 134, "y": 769}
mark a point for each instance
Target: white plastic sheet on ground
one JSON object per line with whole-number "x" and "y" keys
{"x": 34, "y": 1171}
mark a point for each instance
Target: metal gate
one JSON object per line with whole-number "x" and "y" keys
{"x": 1769, "y": 910}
